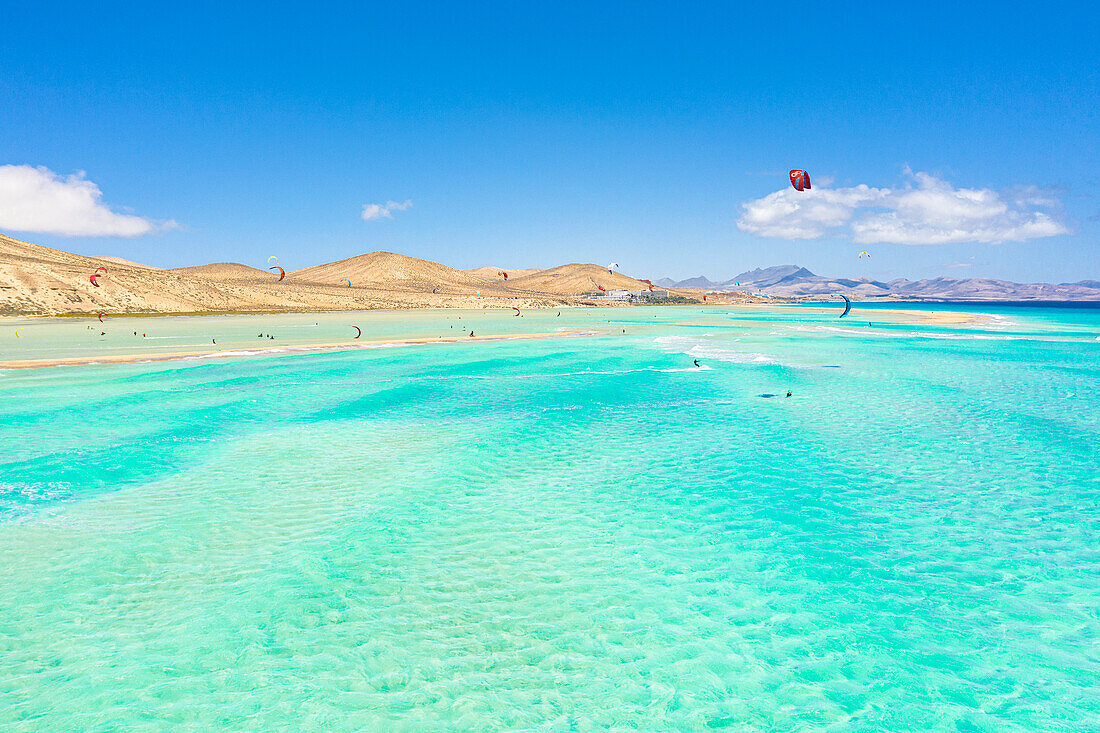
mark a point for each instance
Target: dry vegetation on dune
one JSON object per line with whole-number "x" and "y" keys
{"x": 36, "y": 280}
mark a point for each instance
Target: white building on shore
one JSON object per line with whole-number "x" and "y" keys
{"x": 634, "y": 296}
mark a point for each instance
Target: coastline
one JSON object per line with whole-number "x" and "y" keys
{"x": 138, "y": 353}
{"x": 895, "y": 315}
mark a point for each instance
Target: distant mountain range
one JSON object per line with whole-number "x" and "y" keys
{"x": 793, "y": 281}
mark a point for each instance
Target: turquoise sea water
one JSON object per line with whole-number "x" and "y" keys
{"x": 570, "y": 533}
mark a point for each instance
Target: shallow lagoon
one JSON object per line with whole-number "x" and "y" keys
{"x": 557, "y": 533}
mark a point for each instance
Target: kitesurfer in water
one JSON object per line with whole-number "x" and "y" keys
{"x": 788, "y": 393}
{"x": 471, "y": 333}
{"x": 696, "y": 362}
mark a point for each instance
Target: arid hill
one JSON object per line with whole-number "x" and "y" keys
{"x": 574, "y": 279}
{"x": 229, "y": 271}
{"x": 395, "y": 272}
{"x": 491, "y": 273}
{"x": 125, "y": 263}
{"x": 36, "y": 280}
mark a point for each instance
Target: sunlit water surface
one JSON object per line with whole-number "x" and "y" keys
{"x": 566, "y": 533}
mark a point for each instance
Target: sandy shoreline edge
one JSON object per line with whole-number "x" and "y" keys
{"x": 319, "y": 348}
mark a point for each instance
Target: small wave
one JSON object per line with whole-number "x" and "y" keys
{"x": 584, "y": 373}
{"x": 33, "y": 492}
{"x": 703, "y": 349}
{"x": 219, "y": 354}
{"x": 830, "y": 329}
{"x": 965, "y": 337}
{"x": 700, "y": 368}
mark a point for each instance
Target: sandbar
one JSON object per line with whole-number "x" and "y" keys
{"x": 275, "y": 350}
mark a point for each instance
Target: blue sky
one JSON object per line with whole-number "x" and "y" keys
{"x": 524, "y": 135}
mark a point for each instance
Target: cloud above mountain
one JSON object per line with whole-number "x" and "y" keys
{"x": 374, "y": 212}
{"x": 35, "y": 199}
{"x": 927, "y": 210}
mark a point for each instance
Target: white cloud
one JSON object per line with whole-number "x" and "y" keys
{"x": 39, "y": 200}
{"x": 928, "y": 210}
{"x": 791, "y": 214}
{"x": 373, "y": 212}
